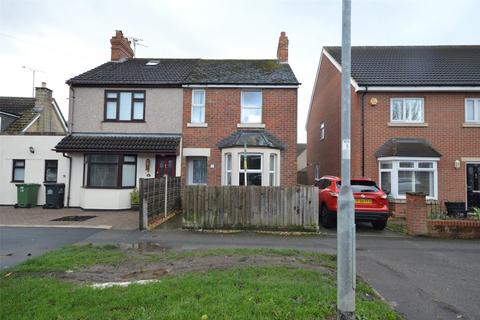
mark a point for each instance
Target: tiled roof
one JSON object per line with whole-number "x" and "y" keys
{"x": 241, "y": 72}
{"x": 187, "y": 71}
{"x": 407, "y": 147}
{"x": 414, "y": 65}
{"x": 252, "y": 138}
{"x": 138, "y": 143}
{"x": 21, "y": 123}
{"x": 16, "y": 105}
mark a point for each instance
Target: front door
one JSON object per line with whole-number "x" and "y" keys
{"x": 473, "y": 185}
{"x": 165, "y": 165}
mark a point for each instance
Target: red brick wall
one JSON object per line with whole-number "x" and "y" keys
{"x": 222, "y": 113}
{"x": 444, "y": 113}
{"x": 325, "y": 108}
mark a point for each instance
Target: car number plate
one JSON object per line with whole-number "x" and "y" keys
{"x": 363, "y": 201}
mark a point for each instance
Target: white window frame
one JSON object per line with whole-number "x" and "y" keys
{"x": 476, "y": 110}
{"x": 396, "y": 167}
{"x": 243, "y": 171}
{"x": 422, "y": 120}
{"x": 272, "y": 171}
{"x": 250, "y": 107}
{"x": 190, "y": 170}
{"x": 202, "y": 106}
{"x": 322, "y": 131}
{"x": 228, "y": 171}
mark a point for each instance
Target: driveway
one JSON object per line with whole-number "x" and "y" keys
{"x": 423, "y": 278}
{"x": 39, "y": 217}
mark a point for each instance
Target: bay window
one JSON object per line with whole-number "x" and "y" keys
{"x": 399, "y": 176}
{"x": 250, "y": 172}
{"x": 124, "y": 106}
{"x": 228, "y": 169}
{"x": 407, "y": 110}
{"x": 272, "y": 173}
{"x": 110, "y": 171}
{"x": 251, "y": 102}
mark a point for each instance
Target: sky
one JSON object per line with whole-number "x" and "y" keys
{"x": 63, "y": 38}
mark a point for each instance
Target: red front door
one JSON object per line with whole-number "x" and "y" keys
{"x": 165, "y": 165}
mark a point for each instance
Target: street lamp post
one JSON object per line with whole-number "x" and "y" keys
{"x": 346, "y": 212}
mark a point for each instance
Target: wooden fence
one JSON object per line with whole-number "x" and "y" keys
{"x": 251, "y": 207}
{"x": 156, "y": 201}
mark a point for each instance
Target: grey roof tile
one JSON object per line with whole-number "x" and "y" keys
{"x": 16, "y": 105}
{"x": 414, "y": 65}
{"x": 137, "y": 143}
{"x": 252, "y": 138}
{"x": 407, "y": 147}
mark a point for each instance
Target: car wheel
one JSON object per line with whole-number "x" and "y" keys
{"x": 327, "y": 220}
{"x": 379, "y": 224}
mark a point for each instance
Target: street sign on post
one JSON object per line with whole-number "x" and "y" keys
{"x": 346, "y": 207}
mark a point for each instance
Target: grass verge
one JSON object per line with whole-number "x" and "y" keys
{"x": 260, "y": 292}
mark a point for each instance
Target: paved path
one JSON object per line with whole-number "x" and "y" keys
{"x": 422, "y": 278}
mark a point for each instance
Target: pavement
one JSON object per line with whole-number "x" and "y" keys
{"x": 39, "y": 217}
{"x": 422, "y": 278}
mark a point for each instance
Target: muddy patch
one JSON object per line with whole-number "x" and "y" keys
{"x": 135, "y": 269}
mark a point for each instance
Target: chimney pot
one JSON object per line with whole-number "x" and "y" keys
{"x": 282, "y": 50}
{"x": 120, "y": 47}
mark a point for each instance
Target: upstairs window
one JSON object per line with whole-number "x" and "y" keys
{"x": 124, "y": 106}
{"x": 198, "y": 106}
{"x": 322, "y": 131}
{"x": 472, "y": 110}
{"x": 251, "y": 107}
{"x": 406, "y": 110}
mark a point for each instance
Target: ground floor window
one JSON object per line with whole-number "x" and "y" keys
{"x": 197, "y": 170}
{"x": 18, "y": 171}
{"x": 250, "y": 173}
{"x": 399, "y": 176}
{"x": 51, "y": 170}
{"x": 110, "y": 171}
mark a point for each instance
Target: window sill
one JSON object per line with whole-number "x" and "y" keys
{"x": 251, "y": 125}
{"x": 407, "y": 124}
{"x": 197, "y": 125}
{"x": 124, "y": 121}
{"x": 404, "y": 200}
{"x": 108, "y": 188}
{"x": 471, "y": 125}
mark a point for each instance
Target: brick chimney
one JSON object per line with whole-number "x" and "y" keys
{"x": 282, "y": 51}
{"x": 44, "y": 106}
{"x": 120, "y": 47}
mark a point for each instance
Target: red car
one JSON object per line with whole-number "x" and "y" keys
{"x": 371, "y": 202}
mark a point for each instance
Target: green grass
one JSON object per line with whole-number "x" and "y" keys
{"x": 267, "y": 292}
{"x": 397, "y": 226}
{"x": 71, "y": 258}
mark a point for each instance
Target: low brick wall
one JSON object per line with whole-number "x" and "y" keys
{"x": 462, "y": 229}
{"x": 416, "y": 214}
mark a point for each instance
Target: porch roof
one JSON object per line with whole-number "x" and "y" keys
{"x": 407, "y": 147}
{"x": 251, "y": 138}
{"x": 107, "y": 143}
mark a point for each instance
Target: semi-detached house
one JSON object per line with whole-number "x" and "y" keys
{"x": 216, "y": 122}
{"x": 415, "y": 120}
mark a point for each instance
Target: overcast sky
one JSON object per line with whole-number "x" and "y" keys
{"x": 64, "y": 38}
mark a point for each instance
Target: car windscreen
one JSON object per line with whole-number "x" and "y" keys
{"x": 362, "y": 186}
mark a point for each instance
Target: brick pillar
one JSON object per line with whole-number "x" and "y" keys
{"x": 416, "y": 214}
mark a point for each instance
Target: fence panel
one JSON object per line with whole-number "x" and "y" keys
{"x": 252, "y": 207}
{"x": 155, "y": 200}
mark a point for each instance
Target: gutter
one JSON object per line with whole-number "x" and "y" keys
{"x": 363, "y": 130}
{"x": 69, "y": 177}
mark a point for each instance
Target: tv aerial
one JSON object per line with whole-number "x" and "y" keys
{"x": 136, "y": 42}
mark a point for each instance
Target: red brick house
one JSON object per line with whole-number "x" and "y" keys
{"x": 239, "y": 122}
{"x": 415, "y": 120}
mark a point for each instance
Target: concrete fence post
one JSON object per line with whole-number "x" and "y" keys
{"x": 166, "y": 195}
{"x": 416, "y": 214}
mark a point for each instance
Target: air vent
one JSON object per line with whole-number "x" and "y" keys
{"x": 152, "y": 62}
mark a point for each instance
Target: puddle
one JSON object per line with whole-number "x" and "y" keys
{"x": 143, "y": 247}
{"x": 74, "y": 218}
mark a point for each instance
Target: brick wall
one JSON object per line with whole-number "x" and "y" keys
{"x": 416, "y": 214}
{"x": 444, "y": 115}
{"x": 222, "y": 113}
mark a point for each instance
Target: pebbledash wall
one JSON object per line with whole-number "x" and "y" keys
{"x": 443, "y": 127}
{"x": 18, "y": 147}
{"x": 222, "y": 115}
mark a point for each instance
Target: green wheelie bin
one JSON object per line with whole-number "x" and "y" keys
{"x": 27, "y": 195}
